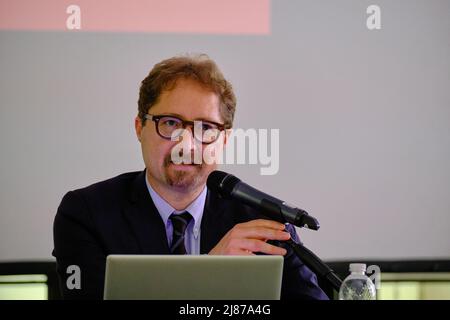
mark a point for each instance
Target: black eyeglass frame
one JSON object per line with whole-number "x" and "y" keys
{"x": 184, "y": 124}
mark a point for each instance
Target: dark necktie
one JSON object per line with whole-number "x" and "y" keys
{"x": 179, "y": 223}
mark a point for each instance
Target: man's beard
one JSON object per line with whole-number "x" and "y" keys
{"x": 184, "y": 179}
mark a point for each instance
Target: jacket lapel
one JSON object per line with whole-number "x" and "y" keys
{"x": 144, "y": 219}
{"x": 217, "y": 220}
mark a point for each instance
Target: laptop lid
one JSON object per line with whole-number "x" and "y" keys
{"x": 193, "y": 277}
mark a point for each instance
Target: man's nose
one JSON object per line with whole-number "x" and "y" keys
{"x": 189, "y": 139}
{"x": 192, "y": 146}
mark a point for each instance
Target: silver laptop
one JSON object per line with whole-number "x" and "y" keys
{"x": 193, "y": 277}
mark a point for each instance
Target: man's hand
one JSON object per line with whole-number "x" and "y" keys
{"x": 249, "y": 237}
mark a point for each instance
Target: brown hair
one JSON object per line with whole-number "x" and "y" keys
{"x": 200, "y": 68}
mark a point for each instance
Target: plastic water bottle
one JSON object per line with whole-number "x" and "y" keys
{"x": 357, "y": 286}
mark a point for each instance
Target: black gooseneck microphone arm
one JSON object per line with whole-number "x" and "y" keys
{"x": 314, "y": 263}
{"x": 229, "y": 186}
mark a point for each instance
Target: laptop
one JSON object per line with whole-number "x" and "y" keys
{"x": 193, "y": 277}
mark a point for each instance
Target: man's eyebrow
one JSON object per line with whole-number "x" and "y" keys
{"x": 205, "y": 120}
{"x": 183, "y": 118}
{"x": 172, "y": 115}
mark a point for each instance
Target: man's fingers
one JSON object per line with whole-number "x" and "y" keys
{"x": 262, "y": 233}
{"x": 254, "y": 245}
{"x": 264, "y": 223}
{"x": 249, "y": 237}
{"x": 244, "y": 252}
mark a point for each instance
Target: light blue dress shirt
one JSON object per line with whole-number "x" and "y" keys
{"x": 192, "y": 236}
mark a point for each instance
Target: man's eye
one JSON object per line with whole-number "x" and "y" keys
{"x": 170, "y": 123}
{"x": 206, "y": 127}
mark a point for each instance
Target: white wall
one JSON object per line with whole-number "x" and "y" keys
{"x": 364, "y": 119}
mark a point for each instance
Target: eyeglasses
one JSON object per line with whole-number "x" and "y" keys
{"x": 166, "y": 127}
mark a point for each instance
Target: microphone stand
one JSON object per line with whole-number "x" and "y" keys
{"x": 301, "y": 218}
{"x": 315, "y": 264}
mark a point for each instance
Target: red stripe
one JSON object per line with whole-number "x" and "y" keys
{"x": 180, "y": 16}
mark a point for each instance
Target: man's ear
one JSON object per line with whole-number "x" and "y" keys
{"x": 138, "y": 127}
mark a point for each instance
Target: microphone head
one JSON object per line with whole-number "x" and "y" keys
{"x": 222, "y": 183}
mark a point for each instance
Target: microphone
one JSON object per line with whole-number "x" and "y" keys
{"x": 229, "y": 186}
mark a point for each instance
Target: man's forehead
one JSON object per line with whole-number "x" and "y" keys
{"x": 189, "y": 100}
{"x": 189, "y": 89}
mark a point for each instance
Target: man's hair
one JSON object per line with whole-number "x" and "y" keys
{"x": 200, "y": 68}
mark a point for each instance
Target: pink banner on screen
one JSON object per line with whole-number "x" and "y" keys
{"x": 176, "y": 16}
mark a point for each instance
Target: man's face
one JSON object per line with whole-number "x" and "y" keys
{"x": 188, "y": 100}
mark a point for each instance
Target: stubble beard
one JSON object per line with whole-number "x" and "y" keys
{"x": 184, "y": 180}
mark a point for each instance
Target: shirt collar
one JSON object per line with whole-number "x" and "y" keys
{"x": 165, "y": 209}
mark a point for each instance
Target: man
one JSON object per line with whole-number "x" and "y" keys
{"x": 141, "y": 212}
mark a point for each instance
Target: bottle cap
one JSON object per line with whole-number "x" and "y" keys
{"x": 358, "y": 267}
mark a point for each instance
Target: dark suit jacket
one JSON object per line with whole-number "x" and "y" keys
{"x": 117, "y": 216}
